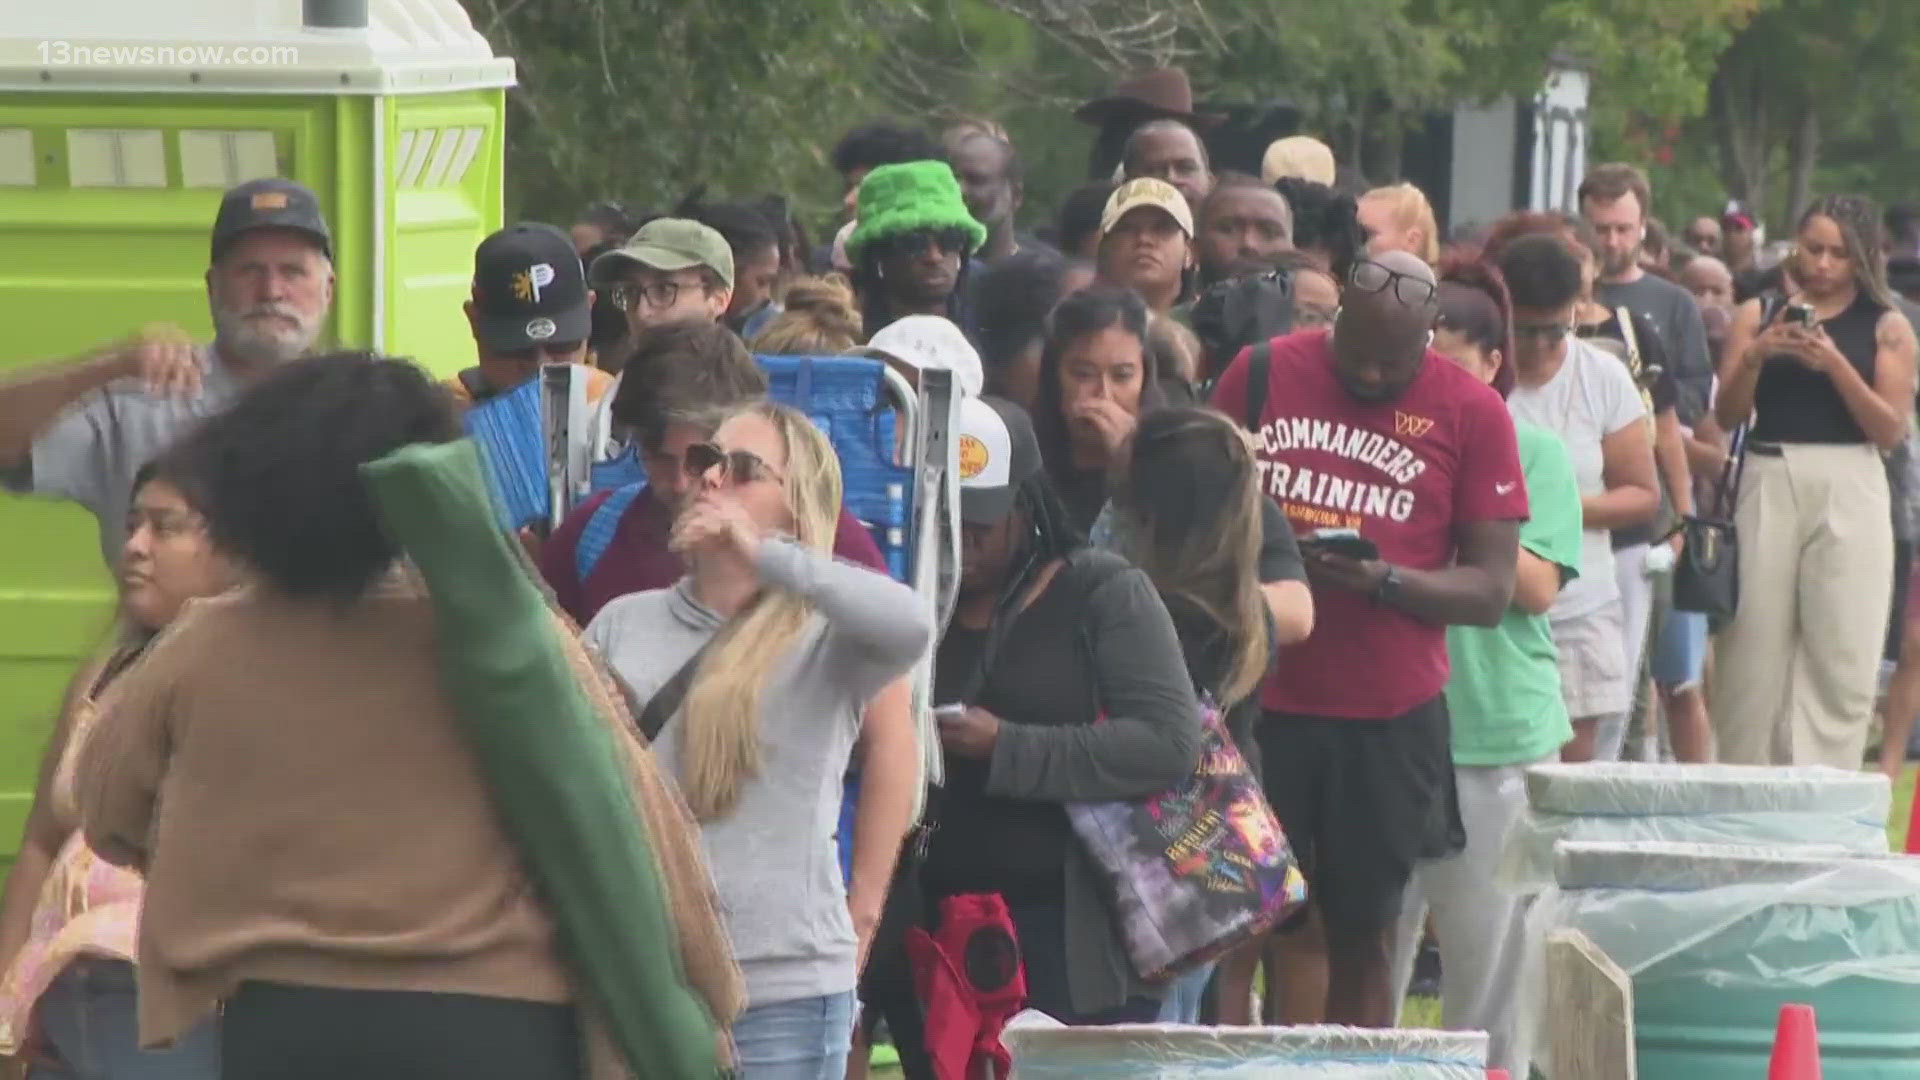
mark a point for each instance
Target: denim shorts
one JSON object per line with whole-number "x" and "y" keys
{"x": 803, "y": 1039}
{"x": 89, "y": 1021}
{"x": 1680, "y": 656}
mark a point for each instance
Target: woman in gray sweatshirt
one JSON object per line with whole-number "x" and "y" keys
{"x": 785, "y": 647}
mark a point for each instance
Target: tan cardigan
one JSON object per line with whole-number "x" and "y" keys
{"x": 293, "y": 781}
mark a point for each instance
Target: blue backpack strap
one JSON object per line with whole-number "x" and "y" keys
{"x": 597, "y": 536}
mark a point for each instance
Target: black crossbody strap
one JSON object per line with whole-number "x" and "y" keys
{"x": 1259, "y": 362}
{"x": 666, "y": 700}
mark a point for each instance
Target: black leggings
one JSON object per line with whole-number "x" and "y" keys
{"x": 272, "y": 1031}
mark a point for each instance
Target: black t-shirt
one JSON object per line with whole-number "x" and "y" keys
{"x": 1661, "y": 389}
{"x": 1045, "y": 673}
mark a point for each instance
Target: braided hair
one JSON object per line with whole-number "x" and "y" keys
{"x": 1860, "y": 225}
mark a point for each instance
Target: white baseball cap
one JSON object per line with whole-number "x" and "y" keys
{"x": 931, "y": 343}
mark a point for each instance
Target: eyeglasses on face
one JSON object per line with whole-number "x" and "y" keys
{"x": 736, "y": 467}
{"x": 656, "y": 294}
{"x": 1370, "y": 276}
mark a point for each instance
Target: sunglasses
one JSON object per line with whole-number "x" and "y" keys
{"x": 920, "y": 241}
{"x": 1370, "y": 276}
{"x": 736, "y": 467}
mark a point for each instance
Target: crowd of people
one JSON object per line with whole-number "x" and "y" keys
{"x": 1406, "y": 508}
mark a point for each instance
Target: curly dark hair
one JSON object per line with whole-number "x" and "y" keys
{"x": 279, "y": 470}
{"x": 1012, "y": 300}
{"x": 1326, "y": 219}
{"x": 883, "y": 142}
{"x": 1080, "y": 213}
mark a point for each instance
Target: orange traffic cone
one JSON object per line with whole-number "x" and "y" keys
{"x": 1796, "y": 1045}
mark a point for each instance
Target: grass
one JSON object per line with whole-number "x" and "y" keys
{"x": 1424, "y": 1012}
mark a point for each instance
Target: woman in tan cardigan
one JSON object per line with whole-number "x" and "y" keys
{"x": 323, "y": 858}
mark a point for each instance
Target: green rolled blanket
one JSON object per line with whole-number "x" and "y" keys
{"x": 549, "y": 760}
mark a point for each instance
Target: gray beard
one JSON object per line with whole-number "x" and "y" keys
{"x": 236, "y": 341}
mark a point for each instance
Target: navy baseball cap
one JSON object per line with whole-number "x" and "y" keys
{"x": 271, "y": 203}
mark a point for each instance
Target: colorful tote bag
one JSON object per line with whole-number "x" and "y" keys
{"x": 1197, "y": 869}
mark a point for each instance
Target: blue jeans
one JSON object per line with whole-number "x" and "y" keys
{"x": 90, "y": 1021}
{"x": 806, "y": 1039}
{"x": 1185, "y": 995}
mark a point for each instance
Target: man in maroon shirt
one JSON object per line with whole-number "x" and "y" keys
{"x": 679, "y": 377}
{"x": 1365, "y": 428}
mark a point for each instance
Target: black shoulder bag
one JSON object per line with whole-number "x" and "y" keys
{"x": 1707, "y": 577}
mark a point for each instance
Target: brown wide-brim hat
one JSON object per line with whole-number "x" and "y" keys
{"x": 1160, "y": 94}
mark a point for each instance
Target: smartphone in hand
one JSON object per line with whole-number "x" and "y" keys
{"x": 1344, "y": 542}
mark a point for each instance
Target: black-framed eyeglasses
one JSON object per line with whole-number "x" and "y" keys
{"x": 736, "y": 466}
{"x": 658, "y": 294}
{"x": 1544, "y": 333}
{"x": 1370, "y": 276}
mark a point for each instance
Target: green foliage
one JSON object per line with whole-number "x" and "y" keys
{"x": 642, "y": 99}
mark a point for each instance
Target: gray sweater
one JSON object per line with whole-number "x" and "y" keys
{"x": 774, "y": 857}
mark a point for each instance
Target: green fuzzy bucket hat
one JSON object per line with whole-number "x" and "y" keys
{"x": 899, "y": 199}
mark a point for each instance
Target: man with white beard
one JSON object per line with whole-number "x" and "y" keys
{"x": 81, "y": 429}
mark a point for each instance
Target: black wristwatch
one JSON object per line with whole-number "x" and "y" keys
{"x": 1389, "y": 586}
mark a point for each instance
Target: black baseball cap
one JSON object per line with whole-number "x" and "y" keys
{"x": 529, "y": 289}
{"x": 271, "y": 203}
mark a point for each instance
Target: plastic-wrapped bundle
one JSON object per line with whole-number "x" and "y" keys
{"x": 1044, "y": 1050}
{"x": 1716, "y": 937}
{"x": 1694, "y": 804}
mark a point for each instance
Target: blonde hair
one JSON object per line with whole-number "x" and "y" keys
{"x": 1411, "y": 210}
{"x": 720, "y": 749}
{"x": 821, "y": 319}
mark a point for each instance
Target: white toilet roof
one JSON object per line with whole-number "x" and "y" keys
{"x": 242, "y": 46}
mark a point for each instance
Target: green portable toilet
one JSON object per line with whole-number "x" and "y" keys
{"x": 121, "y": 123}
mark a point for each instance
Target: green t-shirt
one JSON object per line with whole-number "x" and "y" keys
{"x": 1504, "y": 695}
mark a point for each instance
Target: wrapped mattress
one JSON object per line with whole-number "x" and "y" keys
{"x": 1044, "y": 1050}
{"x": 1614, "y": 802}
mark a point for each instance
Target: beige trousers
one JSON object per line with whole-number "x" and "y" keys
{"x": 1797, "y": 668}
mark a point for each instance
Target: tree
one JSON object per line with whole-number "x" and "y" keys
{"x": 1799, "y": 74}
{"x": 1368, "y": 71}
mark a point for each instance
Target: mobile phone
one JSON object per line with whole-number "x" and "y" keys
{"x": 949, "y": 712}
{"x": 1799, "y": 315}
{"x": 1347, "y": 542}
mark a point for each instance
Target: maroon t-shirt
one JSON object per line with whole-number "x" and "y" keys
{"x": 1403, "y": 473}
{"x": 637, "y": 559}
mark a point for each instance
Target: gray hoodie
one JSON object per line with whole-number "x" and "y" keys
{"x": 773, "y": 857}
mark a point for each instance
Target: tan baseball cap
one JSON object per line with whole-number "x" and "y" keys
{"x": 1146, "y": 191}
{"x": 1298, "y": 155}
